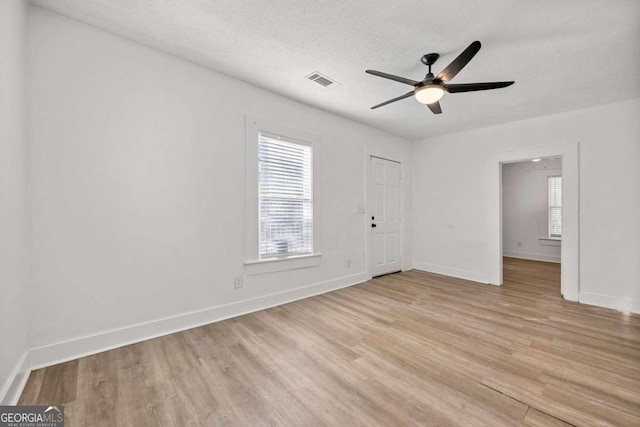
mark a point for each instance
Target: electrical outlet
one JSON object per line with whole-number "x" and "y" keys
{"x": 238, "y": 283}
{"x": 348, "y": 262}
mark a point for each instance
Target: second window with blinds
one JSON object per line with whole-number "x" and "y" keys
{"x": 554, "y": 197}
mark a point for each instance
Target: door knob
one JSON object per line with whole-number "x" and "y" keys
{"x": 373, "y": 225}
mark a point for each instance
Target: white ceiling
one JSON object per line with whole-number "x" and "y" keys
{"x": 563, "y": 54}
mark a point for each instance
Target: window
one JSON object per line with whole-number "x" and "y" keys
{"x": 285, "y": 197}
{"x": 282, "y": 198}
{"x": 554, "y": 188}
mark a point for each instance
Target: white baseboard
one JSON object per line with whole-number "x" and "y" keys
{"x": 531, "y": 256}
{"x": 474, "y": 276}
{"x": 52, "y": 354}
{"x": 620, "y": 304}
{"x": 13, "y": 386}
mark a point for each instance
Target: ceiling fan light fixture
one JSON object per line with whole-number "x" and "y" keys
{"x": 428, "y": 94}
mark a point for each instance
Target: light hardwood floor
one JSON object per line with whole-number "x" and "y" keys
{"x": 405, "y": 349}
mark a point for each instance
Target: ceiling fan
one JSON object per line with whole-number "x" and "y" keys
{"x": 430, "y": 90}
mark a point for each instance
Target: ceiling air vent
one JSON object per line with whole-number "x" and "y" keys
{"x": 320, "y": 79}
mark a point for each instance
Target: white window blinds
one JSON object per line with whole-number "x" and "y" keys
{"x": 285, "y": 200}
{"x": 554, "y": 186}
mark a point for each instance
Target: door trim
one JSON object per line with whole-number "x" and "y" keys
{"x": 369, "y": 209}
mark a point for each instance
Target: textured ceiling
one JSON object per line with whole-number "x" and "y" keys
{"x": 563, "y": 54}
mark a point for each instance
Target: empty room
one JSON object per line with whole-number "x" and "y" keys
{"x": 306, "y": 213}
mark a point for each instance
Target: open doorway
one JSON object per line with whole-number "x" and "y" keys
{"x": 532, "y": 224}
{"x": 570, "y": 252}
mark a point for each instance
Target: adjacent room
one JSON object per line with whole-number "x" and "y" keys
{"x": 292, "y": 213}
{"x": 532, "y": 222}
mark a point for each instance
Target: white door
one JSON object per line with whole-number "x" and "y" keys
{"x": 385, "y": 216}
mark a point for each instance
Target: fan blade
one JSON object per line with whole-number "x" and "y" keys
{"x": 458, "y": 64}
{"x": 392, "y": 77}
{"x": 406, "y": 95}
{"x": 471, "y": 87}
{"x": 435, "y": 107}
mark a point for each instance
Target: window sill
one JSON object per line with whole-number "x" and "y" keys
{"x": 281, "y": 264}
{"x": 550, "y": 241}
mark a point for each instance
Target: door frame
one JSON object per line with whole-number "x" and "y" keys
{"x": 369, "y": 209}
{"x": 570, "y": 244}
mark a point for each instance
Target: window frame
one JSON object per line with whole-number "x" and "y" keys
{"x": 549, "y": 207}
{"x": 253, "y": 264}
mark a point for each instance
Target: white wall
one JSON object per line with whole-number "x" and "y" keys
{"x": 138, "y": 187}
{"x": 450, "y": 226}
{"x": 14, "y": 223}
{"x": 525, "y": 214}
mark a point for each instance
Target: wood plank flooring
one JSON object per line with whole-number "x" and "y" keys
{"x": 406, "y": 349}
